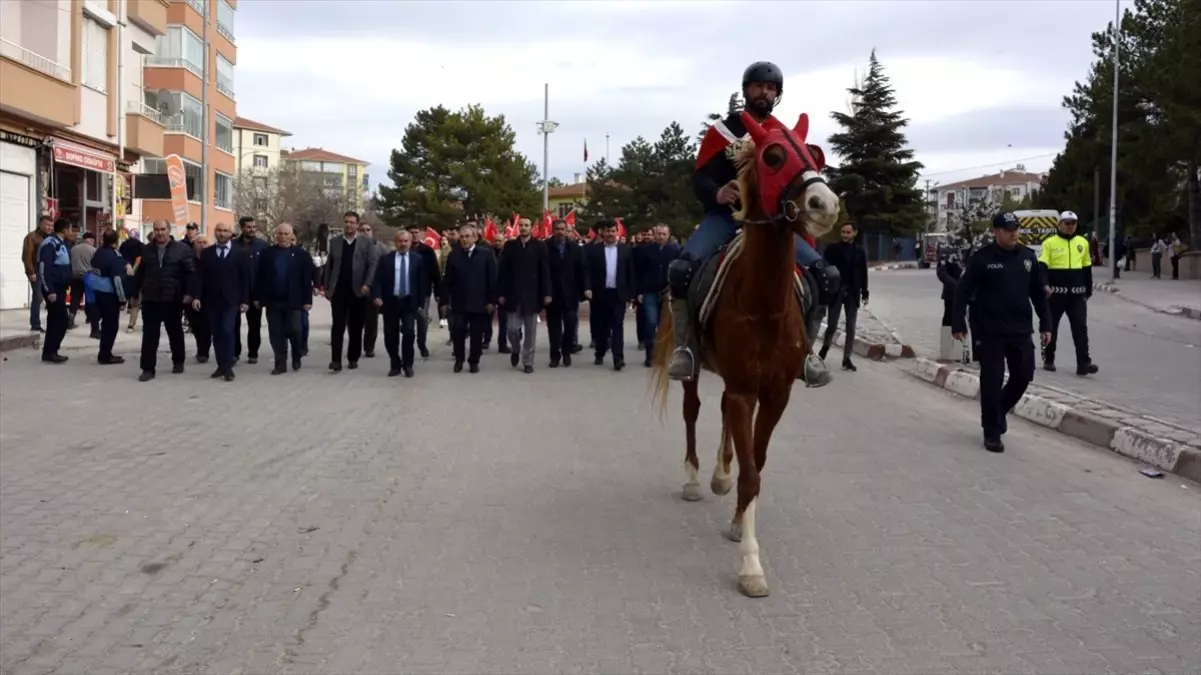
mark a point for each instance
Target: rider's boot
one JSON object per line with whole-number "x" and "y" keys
{"x": 816, "y": 373}
{"x": 683, "y": 360}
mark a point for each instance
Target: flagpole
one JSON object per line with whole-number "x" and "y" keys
{"x": 1113, "y": 151}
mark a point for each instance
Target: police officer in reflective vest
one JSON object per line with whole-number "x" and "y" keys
{"x": 1068, "y": 263}
{"x": 1003, "y": 280}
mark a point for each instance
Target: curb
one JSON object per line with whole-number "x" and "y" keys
{"x": 876, "y": 351}
{"x": 897, "y": 266}
{"x": 1132, "y": 442}
{"x": 19, "y": 341}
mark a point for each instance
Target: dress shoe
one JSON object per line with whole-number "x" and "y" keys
{"x": 296, "y": 364}
{"x": 393, "y": 372}
{"x": 425, "y": 353}
{"x": 336, "y": 367}
{"x": 218, "y": 372}
{"x": 514, "y": 358}
{"x": 202, "y": 358}
{"x": 111, "y": 361}
{"x": 56, "y": 358}
{"x": 553, "y": 364}
{"x": 847, "y": 365}
{"x": 567, "y": 360}
{"x": 252, "y": 360}
{"x": 473, "y": 368}
{"x": 369, "y": 354}
{"x": 994, "y": 444}
{"x": 408, "y": 371}
{"x": 279, "y": 369}
{"x": 458, "y": 366}
{"x": 528, "y": 369}
{"x": 229, "y": 375}
{"x": 619, "y": 364}
{"x": 1090, "y": 369}
{"x": 353, "y": 365}
{"x": 146, "y": 376}
{"x": 177, "y": 369}
{"x": 598, "y": 361}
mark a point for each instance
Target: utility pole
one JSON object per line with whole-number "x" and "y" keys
{"x": 606, "y": 148}
{"x": 1097, "y": 199}
{"x": 1113, "y": 151}
{"x": 546, "y": 127}
{"x": 205, "y": 180}
{"x": 932, "y": 206}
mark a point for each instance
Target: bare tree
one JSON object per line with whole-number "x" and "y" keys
{"x": 306, "y": 199}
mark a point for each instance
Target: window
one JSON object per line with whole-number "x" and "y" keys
{"x": 260, "y": 140}
{"x": 225, "y": 76}
{"x": 192, "y": 171}
{"x": 199, "y": 6}
{"x": 260, "y": 161}
{"x": 95, "y": 55}
{"x": 223, "y": 191}
{"x": 225, "y": 19}
{"x": 179, "y": 48}
{"x": 190, "y": 119}
{"x": 310, "y": 166}
{"x": 223, "y": 137}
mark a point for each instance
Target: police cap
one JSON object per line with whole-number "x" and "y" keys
{"x": 1005, "y": 221}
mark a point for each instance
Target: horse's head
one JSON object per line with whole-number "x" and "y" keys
{"x": 786, "y": 174}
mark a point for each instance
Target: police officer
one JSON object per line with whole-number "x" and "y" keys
{"x": 1068, "y": 263}
{"x": 1003, "y": 279}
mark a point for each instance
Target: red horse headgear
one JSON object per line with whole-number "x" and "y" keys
{"x": 775, "y": 174}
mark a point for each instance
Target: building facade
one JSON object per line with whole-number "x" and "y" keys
{"x": 72, "y": 123}
{"x": 257, "y": 146}
{"x": 1015, "y": 184}
{"x": 346, "y": 174}
{"x": 189, "y": 82}
{"x": 564, "y": 198}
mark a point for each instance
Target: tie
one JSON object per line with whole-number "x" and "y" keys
{"x": 404, "y": 274}
{"x": 221, "y": 252}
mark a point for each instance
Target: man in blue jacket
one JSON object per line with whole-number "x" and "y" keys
{"x": 54, "y": 275}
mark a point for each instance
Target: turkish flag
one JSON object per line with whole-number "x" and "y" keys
{"x": 432, "y": 238}
{"x": 489, "y": 230}
{"x": 621, "y": 229}
{"x": 591, "y": 234}
{"x": 547, "y": 226}
{"x": 570, "y": 219}
{"x": 513, "y": 229}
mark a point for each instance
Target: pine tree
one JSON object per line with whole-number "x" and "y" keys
{"x": 878, "y": 176}
{"x": 733, "y": 106}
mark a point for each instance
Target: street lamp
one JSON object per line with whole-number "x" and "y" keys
{"x": 1113, "y": 150}
{"x": 546, "y": 127}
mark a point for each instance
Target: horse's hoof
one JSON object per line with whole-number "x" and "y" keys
{"x": 692, "y": 492}
{"x": 720, "y": 486}
{"x": 734, "y": 533}
{"x": 753, "y": 586}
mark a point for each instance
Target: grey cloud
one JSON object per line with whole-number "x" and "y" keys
{"x": 990, "y": 130}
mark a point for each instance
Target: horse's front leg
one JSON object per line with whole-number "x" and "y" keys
{"x": 751, "y": 579}
{"x": 723, "y": 479}
{"x": 692, "y": 465}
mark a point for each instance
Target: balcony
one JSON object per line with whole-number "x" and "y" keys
{"x": 144, "y": 129}
{"x": 33, "y": 86}
{"x": 150, "y": 15}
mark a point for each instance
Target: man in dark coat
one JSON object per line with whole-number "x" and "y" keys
{"x": 348, "y": 273}
{"x": 163, "y": 278}
{"x": 429, "y": 260}
{"x": 284, "y": 289}
{"x": 651, "y": 259}
{"x": 253, "y": 246}
{"x": 469, "y": 288}
{"x": 612, "y": 285}
{"x": 568, "y": 281}
{"x": 524, "y": 291}
{"x": 222, "y": 292}
{"x": 401, "y": 283}
{"x": 851, "y": 261}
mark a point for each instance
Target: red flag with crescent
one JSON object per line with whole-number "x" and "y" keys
{"x": 719, "y": 137}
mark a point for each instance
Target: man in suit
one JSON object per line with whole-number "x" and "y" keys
{"x": 524, "y": 291}
{"x": 222, "y": 292}
{"x": 429, "y": 260}
{"x": 612, "y": 286}
{"x": 370, "y": 311}
{"x": 651, "y": 259}
{"x": 469, "y": 288}
{"x": 284, "y": 288}
{"x": 253, "y": 246}
{"x": 401, "y": 285}
{"x": 851, "y": 261}
{"x": 346, "y": 283}
{"x": 568, "y": 281}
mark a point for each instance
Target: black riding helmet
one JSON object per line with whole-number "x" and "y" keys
{"x": 764, "y": 71}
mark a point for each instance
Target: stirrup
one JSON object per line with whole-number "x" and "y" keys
{"x": 691, "y": 365}
{"x": 816, "y": 374}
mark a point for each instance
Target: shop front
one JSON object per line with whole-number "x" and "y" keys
{"x": 20, "y": 190}
{"x": 82, "y": 182}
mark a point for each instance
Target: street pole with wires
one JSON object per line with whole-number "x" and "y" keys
{"x": 546, "y": 127}
{"x": 1113, "y": 150}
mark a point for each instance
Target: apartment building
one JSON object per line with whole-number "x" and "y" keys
{"x": 338, "y": 171}
{"x": 1016, "y": 183}
{"x": 257, "y": 146}
{"x": 189, "y": 80}
{"x": 72, "y": 123}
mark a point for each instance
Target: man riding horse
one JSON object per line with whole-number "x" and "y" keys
{"x": 715, "y": 182}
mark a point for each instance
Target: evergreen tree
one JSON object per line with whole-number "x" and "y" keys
{"x": 1159, "y": 125}
{"x": 878, "y": 176}
{"x": 733, "y": 106}
{"x": 456, "y": 163}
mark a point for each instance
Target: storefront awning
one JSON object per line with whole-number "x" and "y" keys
{"x": 84, "y": 157}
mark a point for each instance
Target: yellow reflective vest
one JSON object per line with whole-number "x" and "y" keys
{"x": 1068, "y": 262}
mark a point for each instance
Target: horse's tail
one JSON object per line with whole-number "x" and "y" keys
{"x": 665, "y": 344}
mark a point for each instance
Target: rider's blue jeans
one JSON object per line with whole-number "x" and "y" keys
{"x": 717, "y": 229}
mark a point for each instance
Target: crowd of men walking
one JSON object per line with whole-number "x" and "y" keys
{"x": 479, "y": 289}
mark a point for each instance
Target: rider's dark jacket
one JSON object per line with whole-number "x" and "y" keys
{"x": 715, "y": 160}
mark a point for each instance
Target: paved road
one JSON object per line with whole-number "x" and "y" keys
{"x": 318, "y": 523}
{"x": 1149, "y": 361}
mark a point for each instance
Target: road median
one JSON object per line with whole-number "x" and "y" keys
{"x": 1165, "y": 446}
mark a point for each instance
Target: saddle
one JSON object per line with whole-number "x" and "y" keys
{"x": 710, "y": 277}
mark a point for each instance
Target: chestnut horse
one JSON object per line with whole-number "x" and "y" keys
{"x": 755, "y": 337}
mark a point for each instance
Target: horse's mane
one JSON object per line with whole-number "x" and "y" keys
{"x": 748, "y": 180}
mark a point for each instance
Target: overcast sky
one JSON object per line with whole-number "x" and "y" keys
{"x": 981, "y": 81}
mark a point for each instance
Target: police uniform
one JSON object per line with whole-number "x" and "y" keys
{"x": 1068, "y": 265}
{"x": 1002, "y": 286}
